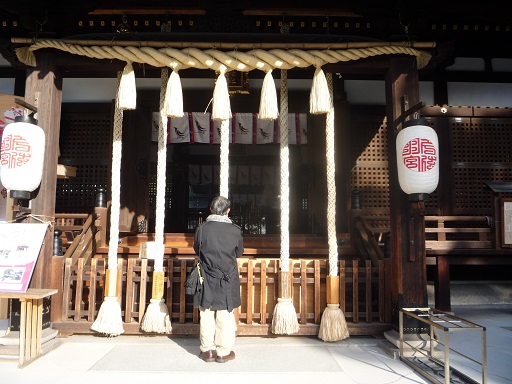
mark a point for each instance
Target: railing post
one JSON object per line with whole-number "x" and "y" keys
{"x": 100, "y": 213}
{"x": 57, "y": 242}
{"x": 355, "y": 212}
{"x": 56, "y": 282}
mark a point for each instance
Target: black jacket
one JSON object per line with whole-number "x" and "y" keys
{"x": 221, "y": 244}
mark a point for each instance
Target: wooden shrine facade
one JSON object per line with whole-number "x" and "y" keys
{"x": 398, "y": 281}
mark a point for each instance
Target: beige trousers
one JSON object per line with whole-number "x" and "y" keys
{"x": 217, "y": 331}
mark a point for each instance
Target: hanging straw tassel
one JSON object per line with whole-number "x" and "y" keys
{"x": 127, "y": 91}
{"x": 319, "y": 98}
{"x": 284, "y": 321}
{"x": 221, "y": 109}
{"x": 173, "y": 104}
{"x": 109, "y": 320}
{"x": 333, "y": 326}
{"x": 156, "y": 319}
{"x": 268, "y": 99}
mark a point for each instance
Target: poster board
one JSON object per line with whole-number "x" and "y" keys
{"x": 20, "y": 244}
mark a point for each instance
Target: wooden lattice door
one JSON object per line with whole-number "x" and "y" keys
{"x": 85, "y": 143}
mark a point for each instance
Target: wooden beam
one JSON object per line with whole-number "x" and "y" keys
{"x": 408, "y": 271}
{"x": 44, "y": 89}
{"x": 308, "y": 12}
{"x": 131, "y": 10}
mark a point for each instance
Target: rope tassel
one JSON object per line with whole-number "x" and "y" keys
{"x": 109, "y": 320}
{"x": 284, "y": 321}
{"x": 319, "y": 98}
{"x": 221, "y": 109}
{"x": 127, "y": 91}
{"x": 333, "y": 326}
{"x": 173, "y": 104}
{"x": 157, "y": 319}
{"x": 268, "y": 99}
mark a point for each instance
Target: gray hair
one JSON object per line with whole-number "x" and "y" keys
{"x": 220, "y": 205}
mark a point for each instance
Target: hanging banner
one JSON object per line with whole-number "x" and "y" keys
{"x": 20, "y": 244}
{"x": 255, "y": 174}
{"x": 206, "y": 174}
{"x": 179, "y": 129}
{"x": 216, "y": 131}
{"x": 194, "y": 175}
{"x": 198, "y": 127}
{"x": 268, "y": 175}
{"x": 265, "y": 131}
{"x": 201, "y": 127}
{"x": 243, "y": 175}
{"x": 301, "y": 127}
{"x": 244, "y": 128}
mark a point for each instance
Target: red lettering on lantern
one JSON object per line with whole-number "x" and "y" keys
{"x": 16, "y": 151}
{"x": 419, "y": 155}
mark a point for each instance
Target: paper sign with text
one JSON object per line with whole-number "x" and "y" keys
{"x": 20, "y": 244}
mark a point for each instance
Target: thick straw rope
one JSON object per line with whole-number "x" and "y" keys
{"x": 115, "y": 209}
{"x": 284, "y": 320}
{"x": 224, "y": 158}
{"x": 331, "y": 186}
{"x": 222, "y": 62}
{"x": 156, "y": 319}
{"x": 333, "y": 326}
{"x": 285, "y": 174}
{"x": 160, "y": 176}
{"x": 263, "y": 60}
{"x": 109, "y": 320}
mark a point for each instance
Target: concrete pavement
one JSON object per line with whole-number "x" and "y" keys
{"x": 282, "y": 359}
{"x": 133, "y": 359}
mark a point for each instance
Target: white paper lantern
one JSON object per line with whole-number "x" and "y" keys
{"x": 417, "y": 153}
{"x": 21, "y": 157}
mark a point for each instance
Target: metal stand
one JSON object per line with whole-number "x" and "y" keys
{"x": 429, "y": 363}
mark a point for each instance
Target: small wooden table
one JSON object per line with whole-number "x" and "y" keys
{"x": 31, "y": 321}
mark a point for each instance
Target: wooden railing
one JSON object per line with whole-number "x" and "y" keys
{"x": 362, "y": 293}
{"x": 71, "y": 225}
{"x": 458, "y": 232}
{"x": 366, "y": 241}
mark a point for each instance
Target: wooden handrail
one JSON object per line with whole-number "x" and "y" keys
{"x": 368, "y": 245}
{"x": 71, "y": 251}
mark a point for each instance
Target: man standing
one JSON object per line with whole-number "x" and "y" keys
{"x": 218, "y": 242}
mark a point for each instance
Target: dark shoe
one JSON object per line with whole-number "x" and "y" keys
{"x": 223, "y": 359}
{"x": 207, "y": 356}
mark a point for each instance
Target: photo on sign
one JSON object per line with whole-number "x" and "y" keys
{"x": 11, "y": 274}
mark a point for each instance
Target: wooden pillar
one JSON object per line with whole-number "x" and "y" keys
{"x": 446, "y": 187}
{"x": 342, "y": 153}
{"x": 44, "y": 90}
{"x": 408, "y": 273}
{"x": 136, "y": 160}
{"x": 442, "y": 284}
{"x": 317, "y": 201}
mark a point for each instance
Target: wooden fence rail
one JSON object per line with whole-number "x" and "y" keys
{"x": 362, "y": 293}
